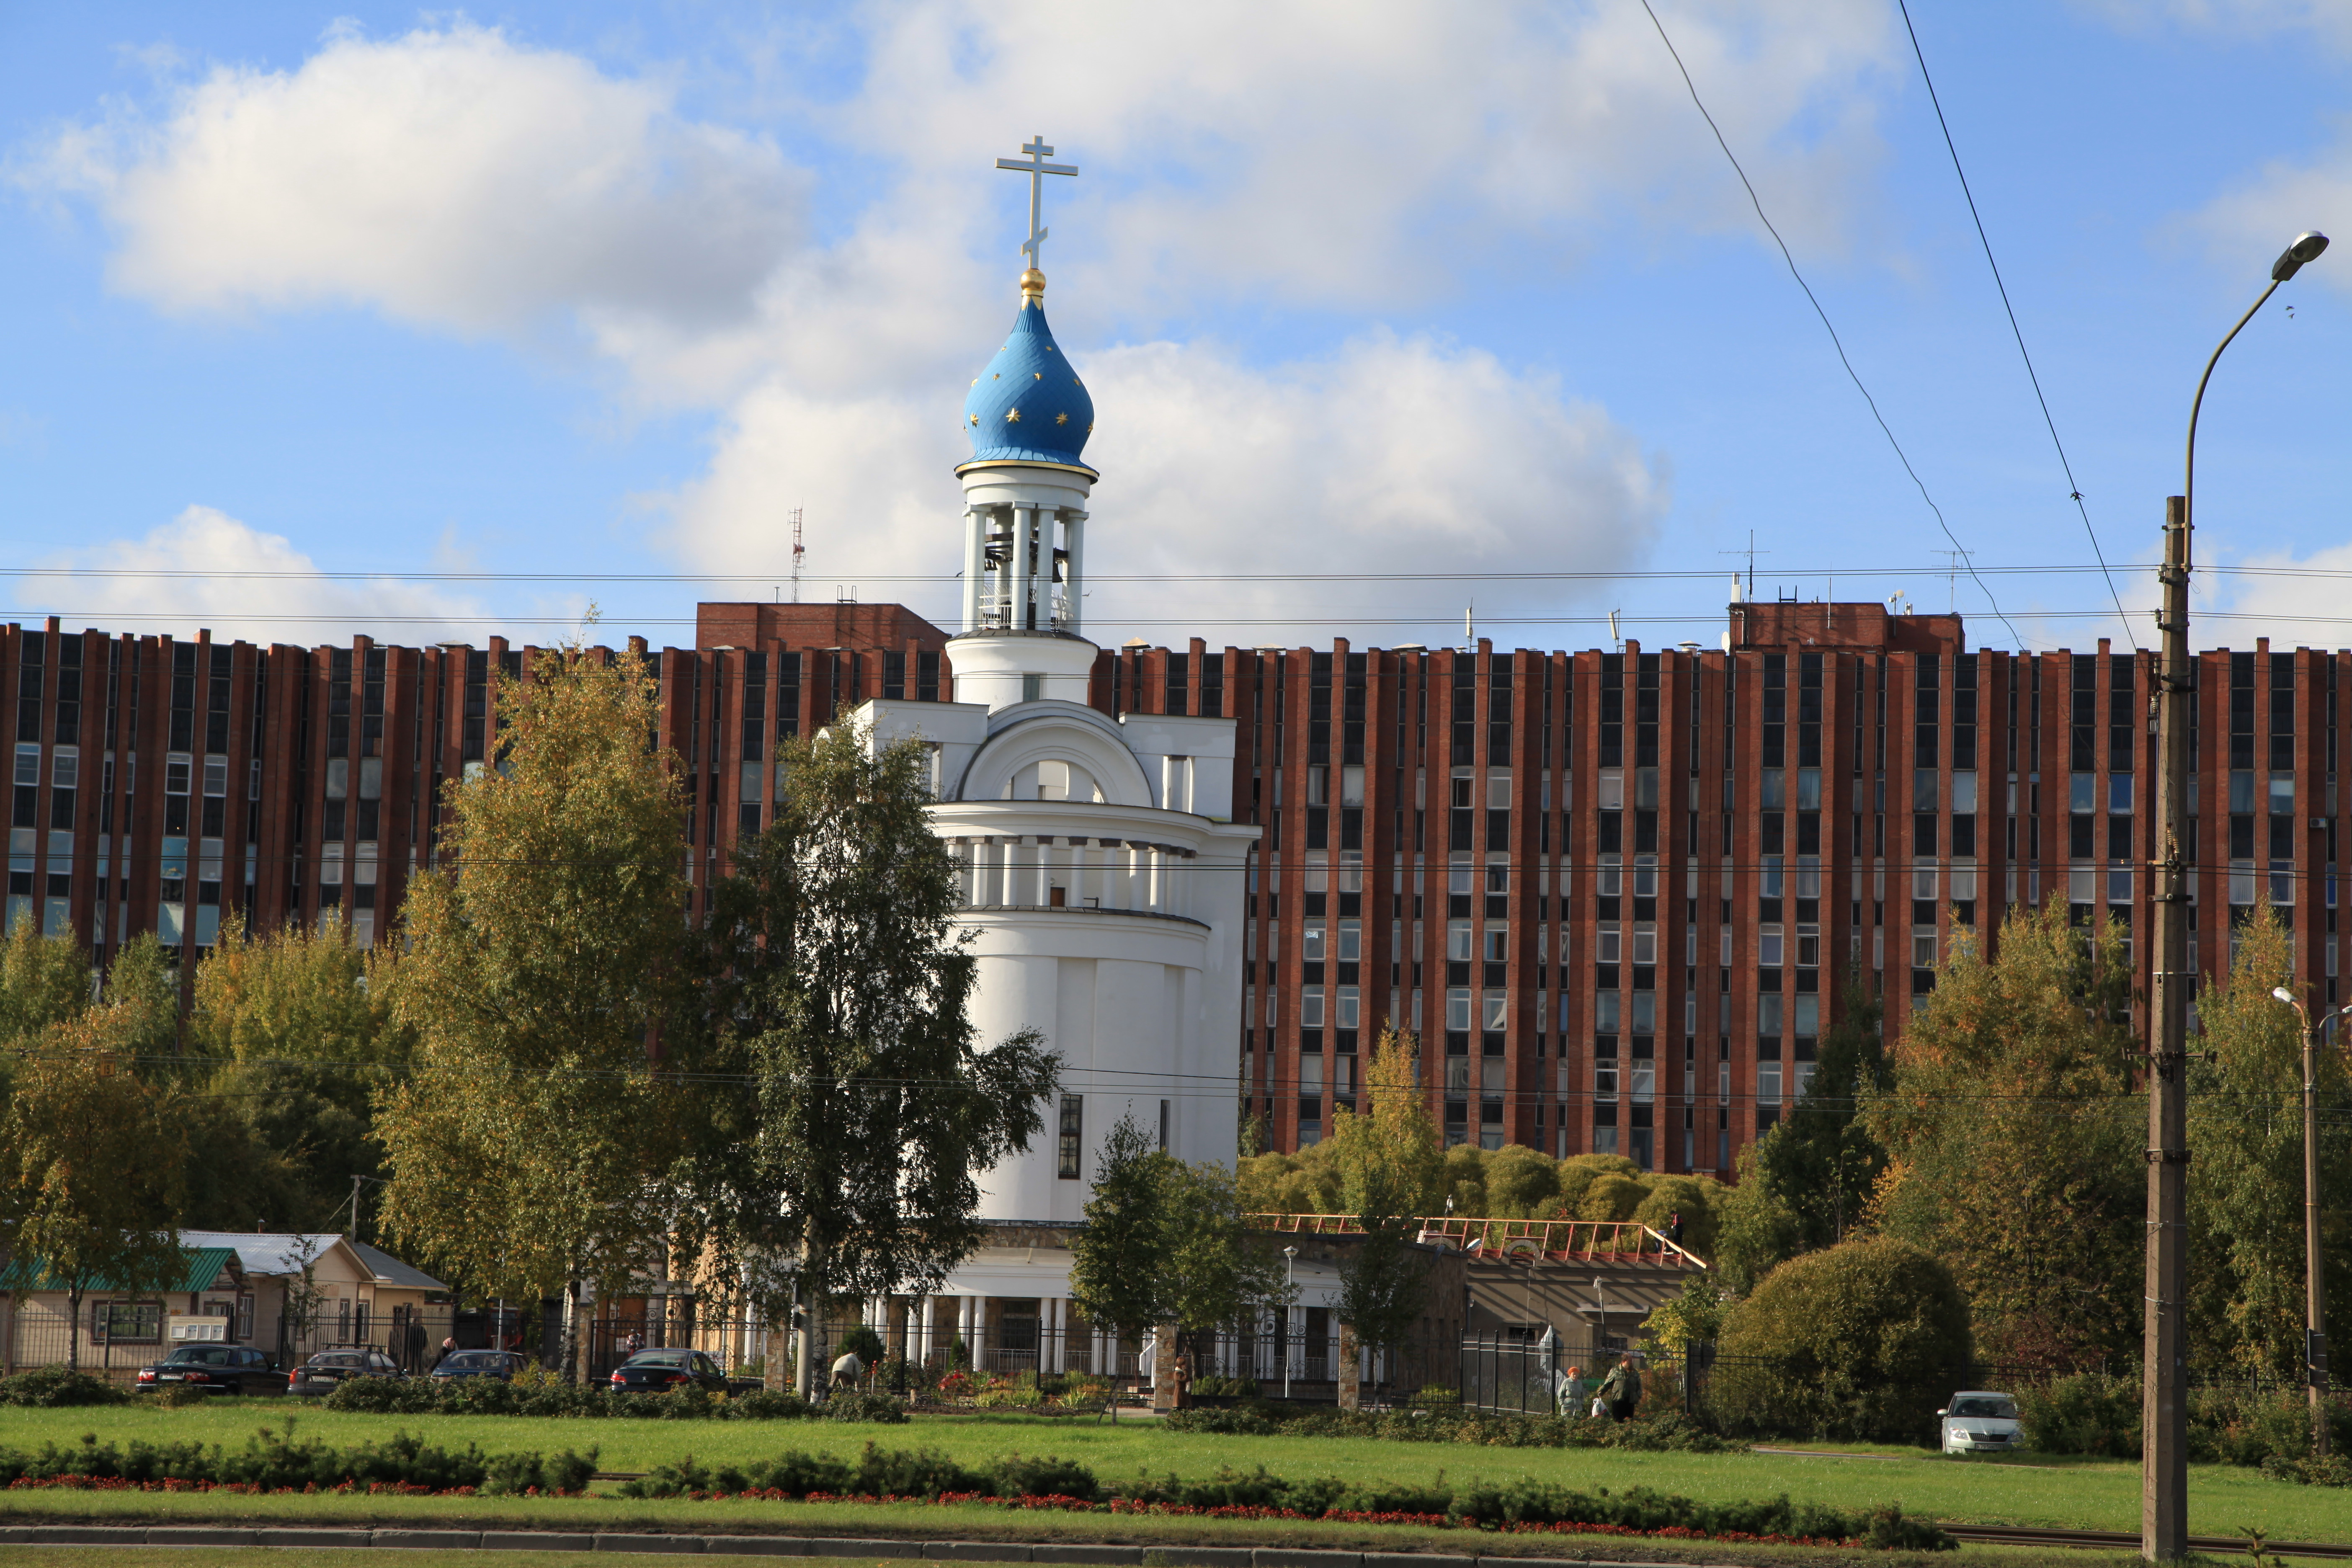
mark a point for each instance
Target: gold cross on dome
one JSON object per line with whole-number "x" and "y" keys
{"x": 1035, "y": 167}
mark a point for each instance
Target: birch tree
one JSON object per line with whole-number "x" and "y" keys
{"x": 853, "y": 1109}
{"x": 528, "y": 1140}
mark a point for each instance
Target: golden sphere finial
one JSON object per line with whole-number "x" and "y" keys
{"x": 1033, "y": 284}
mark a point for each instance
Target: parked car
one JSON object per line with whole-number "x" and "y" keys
{"x": 656, "y": 1371}
{"x": 1980, "y": 1422}
{"x": 501, "y": 1365}
{"x": 322, "y": 1372}
{"x": 215, "y": 1369}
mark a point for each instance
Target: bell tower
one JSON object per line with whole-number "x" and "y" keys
{"x": 1025, "y": 492}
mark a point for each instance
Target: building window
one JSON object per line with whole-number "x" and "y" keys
{"x": 1457, "y": 1008}
{"x": 1073, "y": 1136}
{"x": 1310, "y": 1006}
{"x": 128, "y": 1323}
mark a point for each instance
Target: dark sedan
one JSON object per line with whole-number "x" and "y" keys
{"x": 215, "y": 1369}
{"x": 501, "y": 1365}
{"x": 657, "y": 1372}
{"x": 322, "y": 1372}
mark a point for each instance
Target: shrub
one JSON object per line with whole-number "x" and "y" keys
{"x": 863, "y": 1344}
{"x": 1862, "y": 1341}
{"x": 1215, "y": 1387}
{"x": 52, "y": 1386}
{"x": 272, "y": 1460}
{"x": 927, "y": 1472}
{"x": 2090, "y": 1413}
{"x": 488, "y": 1396}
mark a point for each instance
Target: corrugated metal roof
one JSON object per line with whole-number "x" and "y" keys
{"x": 392, "y": 1270}
{"x": 203, "y": 1265}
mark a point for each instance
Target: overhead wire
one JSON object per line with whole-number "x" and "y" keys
{"x": 2074, "y": 488}
{"x": 1756, "y": 201}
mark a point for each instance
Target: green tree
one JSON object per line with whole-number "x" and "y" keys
{"x": 1308, "y": 1182}
{"x": 2016, "y": 1134}
{"x": 1392, "y": 1146}
{"x": 1822, "y": 1161}
{"x": 1862, "y": 1341}
{"x": 1115, "y": 1278}
{"x": 2246, "y": 1184}
{"x": 1757, "y": 1229}
{"x": 526, "y": 1145}
{"x": 43, "y": 979}
{"x": 91, "y": 1162}
{"x": 837, "y": 983}
{"x": 1219, "y": 1273}
{"x": 296, "y": 1033}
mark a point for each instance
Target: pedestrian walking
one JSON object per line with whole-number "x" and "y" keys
{"x": 1675, "y": 1228}
{"x": 448, "y": 1349}
{"x": 1574, "y": 1396}
{"x": 1629, "y": 1390}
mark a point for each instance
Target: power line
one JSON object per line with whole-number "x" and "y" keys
{"x": 2017, "y": 331}
{"x": 1758, "y": 202}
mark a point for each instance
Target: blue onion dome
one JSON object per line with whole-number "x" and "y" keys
{"x": 1029, "y": 405}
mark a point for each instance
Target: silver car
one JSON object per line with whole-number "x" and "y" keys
{"x": 1979, "y": 1422}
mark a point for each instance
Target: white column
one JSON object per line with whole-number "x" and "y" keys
{"x": 975, "y": 545}
{"x": 1023, "y": 517}
{"x": 1073, "y": 529}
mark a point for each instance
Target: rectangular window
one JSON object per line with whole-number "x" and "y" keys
{"x": 1497, "y": 1011}
{"x": 1352, "y": 941}
{"x": 1457, "y": 942}
{"x": 1310, "y": 1006}
{"x": 129, "y": 1322}
{"x": 1073, "y": 1136}
{"x": 1767, "y": 947}
{"x": 1349, "y": 1007}
{"x": 1310, "y": 947}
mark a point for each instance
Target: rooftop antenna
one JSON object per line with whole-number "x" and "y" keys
{"x": 1952, "y": 559}
{"x": 798, "y": 551}
{"x": 1469, "y": 626}
{"x": 1751, "y": 552}
{"x": 1612, "y": 632}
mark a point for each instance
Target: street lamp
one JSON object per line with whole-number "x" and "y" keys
{"x": 1289, "y": 1256}
{"x": 2315, "y": 1288}
{"x": 2164, "y": 1390}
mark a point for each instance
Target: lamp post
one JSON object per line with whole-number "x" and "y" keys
{"x": 2164, "y": 1402}
{"x": 2314, "y": 1285}
{"x": 1289, "y": 1256}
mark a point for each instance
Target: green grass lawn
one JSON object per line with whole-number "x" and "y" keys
{"x": 2031, "y": 1490}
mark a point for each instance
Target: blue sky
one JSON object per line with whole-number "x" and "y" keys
{"x": 1367, "y": 295}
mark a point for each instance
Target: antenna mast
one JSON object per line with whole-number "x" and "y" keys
{"x": 798, "y": 551}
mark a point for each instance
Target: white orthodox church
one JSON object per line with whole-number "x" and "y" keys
{"x": 1104, "y": 874}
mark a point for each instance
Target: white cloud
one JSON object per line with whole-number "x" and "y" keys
{"x": 2292, "y": 600}
{"x": 2331, "y": 20}
{"x": 1344, "y": 161}
{"x": 1362, "y": 154}
{"x": 449, "y": 177}
{"x": 1394, "y": 456}
{"x": 246, "y": 584}
{"x": 2248, "y": 227}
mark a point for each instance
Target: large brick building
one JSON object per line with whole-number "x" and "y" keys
{"x": 1614, "y": 893}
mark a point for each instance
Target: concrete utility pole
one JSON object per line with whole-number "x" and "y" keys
{"x": 2314, "y": 1282}
{"x": 2164, "y": 1367}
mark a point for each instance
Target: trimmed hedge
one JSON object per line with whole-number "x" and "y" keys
{"x": 1668, "y": 1432}
{"x": 489, "y": 1396}
{"x": 52, "y": 1386}
{"x": 271, "y": 1462}
{"x": 927, "y": 1473}
{"x": 1862, "y": 1341}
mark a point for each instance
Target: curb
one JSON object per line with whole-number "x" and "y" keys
{"x": 761, "y": 1546}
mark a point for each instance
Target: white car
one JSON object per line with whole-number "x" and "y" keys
{"x": 1978, "y": 1422}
